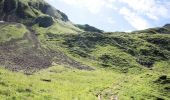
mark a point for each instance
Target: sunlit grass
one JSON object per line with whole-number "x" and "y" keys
{"x": 65, "y": 84}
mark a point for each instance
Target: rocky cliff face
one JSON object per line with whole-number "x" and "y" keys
{"x": 28, "y": 10}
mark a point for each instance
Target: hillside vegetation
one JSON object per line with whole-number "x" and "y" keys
{"x": 44, "y": 56}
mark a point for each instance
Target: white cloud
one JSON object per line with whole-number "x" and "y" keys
{"x": 94, "y": 6}
{"x": 134, "y": 11}
{"x": 153, "y": 9}
{"x": 110, "y": 20}
{"x": 133, "y": 19}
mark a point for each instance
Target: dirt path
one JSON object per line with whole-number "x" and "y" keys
{"x": 113, "y": 94}
{"x": 113, "y": 97}
{"x": 34, "y": 38}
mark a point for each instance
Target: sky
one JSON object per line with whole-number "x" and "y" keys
{"x": 116, "y": 15}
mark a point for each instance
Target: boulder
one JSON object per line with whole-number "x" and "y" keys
{"x": 44, "y": 21}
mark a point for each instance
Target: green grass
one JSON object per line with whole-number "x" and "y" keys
{"x": 11, "y": 31}
{"x": 66, "y": 84}
{"x": 118, "y": 59}
{"x": 144, "y": 86}
{"x": 128, "y": 66}
{"x": 124, "y": 77}
{"x": 135, "y": 84}
{"x": 113, "y": 57}
{"x": 145, "y": 52}
{"x": 70, "y": 84}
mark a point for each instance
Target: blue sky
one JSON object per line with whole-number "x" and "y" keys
{"x": 116, "y": 15}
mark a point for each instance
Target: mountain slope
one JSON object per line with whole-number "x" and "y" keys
{"x": 45, "y": 56}
{"x": 21, "y": 43}
{"x": 23, "y": 50}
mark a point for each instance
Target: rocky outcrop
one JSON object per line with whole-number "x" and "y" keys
{"x": 27, "y": 11}
{"x": 44, "y": 21}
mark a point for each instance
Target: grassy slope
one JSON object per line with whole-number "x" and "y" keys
{"x": 72, "y": 84}
{"x": 120, "y": 61}
{"x": 137, "y": 81}
{"x": 124, "y": 77}
{"x": 66, "y": 84}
